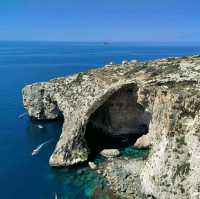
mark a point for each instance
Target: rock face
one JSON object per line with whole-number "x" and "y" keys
{"x": 165, "y": 98}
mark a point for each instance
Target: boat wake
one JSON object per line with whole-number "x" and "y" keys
{"x": 22, "y": 115}
{"x": 39, "y": 148}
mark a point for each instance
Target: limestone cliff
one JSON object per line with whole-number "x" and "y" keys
{"x": 164, "y": 95}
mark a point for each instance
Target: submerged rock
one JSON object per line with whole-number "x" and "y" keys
{"x": 110, "y": 153}
{"x": 162, "y": 95}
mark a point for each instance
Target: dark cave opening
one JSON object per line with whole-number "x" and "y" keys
{"x": 117, "y": 123}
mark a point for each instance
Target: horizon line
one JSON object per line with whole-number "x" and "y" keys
{"x": 98, "y": 41}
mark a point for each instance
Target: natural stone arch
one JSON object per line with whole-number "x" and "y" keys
{"x": 72, "y": 147}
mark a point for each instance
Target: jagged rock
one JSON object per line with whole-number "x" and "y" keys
{"x": 166, "y": 98}
{"x": 143, "y": 142}
{"x": 110, "y": 153}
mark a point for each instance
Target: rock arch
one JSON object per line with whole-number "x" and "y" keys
{"x": 128, "y": 119}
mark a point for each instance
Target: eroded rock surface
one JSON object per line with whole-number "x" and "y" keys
{"x": 167, "y": 90}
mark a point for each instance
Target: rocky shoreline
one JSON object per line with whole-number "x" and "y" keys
{"x": 154, "y": 103}
{"x": 122, "y": 172}
{"x": 123, "y": 177}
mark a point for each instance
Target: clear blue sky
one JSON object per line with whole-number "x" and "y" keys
{"x": 100, "y": 20}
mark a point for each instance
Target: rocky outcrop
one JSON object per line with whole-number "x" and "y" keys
{"x": 166, "y": 100}
{"x": 110, "y": 153}
{"x": 123, "y": 176}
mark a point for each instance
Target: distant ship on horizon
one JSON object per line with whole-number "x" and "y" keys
{"x": 106, "y": 43}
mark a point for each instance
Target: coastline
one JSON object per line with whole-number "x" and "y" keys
{"x": 145, "y": 92}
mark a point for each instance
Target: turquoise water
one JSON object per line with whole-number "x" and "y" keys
{"x": 22, "y": 175}
{"x": 133, "y": 152}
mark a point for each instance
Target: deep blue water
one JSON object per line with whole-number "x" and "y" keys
{"x": 24, "y": 176}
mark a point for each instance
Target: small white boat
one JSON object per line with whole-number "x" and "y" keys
{"x": 56, "y": 196}
{"x": 22, "y": 115}
{"x": 40, "y": 126}
{"x": 38, "y": 149}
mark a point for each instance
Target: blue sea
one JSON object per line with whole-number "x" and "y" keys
{"x": 23, "y": 176}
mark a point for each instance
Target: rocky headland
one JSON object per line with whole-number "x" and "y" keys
{"x": 153, "y": 104}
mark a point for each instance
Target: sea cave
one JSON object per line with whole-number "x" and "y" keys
{"x": 118, "y": 122}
